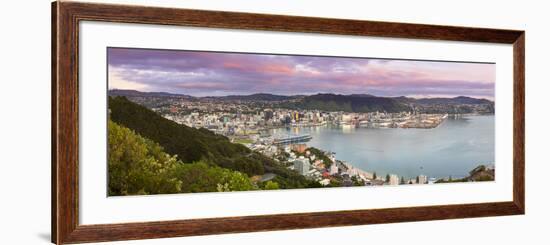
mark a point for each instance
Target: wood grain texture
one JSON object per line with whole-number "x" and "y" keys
{"x": 234, "y": 20}
{"x": 196, "y": 227}
{"x": 519, "y": 122}
{"x": 65, "y": 121}
{"x": 65, "y": 222}
{"x": 54, "y": 123}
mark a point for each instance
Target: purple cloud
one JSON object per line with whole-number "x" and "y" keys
{"x": 215, "y": 73}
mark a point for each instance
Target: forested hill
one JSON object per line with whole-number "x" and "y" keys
{"x": 349, "y": 103}
{"x": 135, "y": 93}
{"x": 254, "y": 97}
{"x": 369, "y": 103}
{"x": 460, "y": 100}
{"x": 192, "y": 145}
{"x": 189, "y": 144}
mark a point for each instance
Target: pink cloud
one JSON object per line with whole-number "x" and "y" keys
{"x": 201, "y": 72}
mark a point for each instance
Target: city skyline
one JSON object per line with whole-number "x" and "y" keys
{"x": 200, "y": 73}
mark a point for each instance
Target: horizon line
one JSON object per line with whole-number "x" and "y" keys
{"x": 244, "y": 94}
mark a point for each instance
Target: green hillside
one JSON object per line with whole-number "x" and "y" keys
{"x": 189, "y": 144}
{"x": 348, "y": 103}
{"x": 139, "y": 166}
{"x": 193, "y": 145}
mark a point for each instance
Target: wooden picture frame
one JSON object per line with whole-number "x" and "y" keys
{"x": 65, "y": 121}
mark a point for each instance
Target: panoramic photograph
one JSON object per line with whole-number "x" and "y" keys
{"x": 184, "y": 121}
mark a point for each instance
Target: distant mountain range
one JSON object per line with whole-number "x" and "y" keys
{"x": 445, "y": 101}
{"x": 348, "y": 103}
{"x": 252, "y": 97}
{"x": 256, "y": 97}
{"x": 338, "y": 102}
{"x": 135, "y": 93}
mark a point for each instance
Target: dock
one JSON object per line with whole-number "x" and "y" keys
{"x": 292, "y": 139}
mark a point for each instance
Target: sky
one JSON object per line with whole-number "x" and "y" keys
{"x": 200, "y": 73}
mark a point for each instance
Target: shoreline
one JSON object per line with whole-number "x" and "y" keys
{"x": 370, "y": 171}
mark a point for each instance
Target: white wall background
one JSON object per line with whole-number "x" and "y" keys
{"x": 25, "y": 121}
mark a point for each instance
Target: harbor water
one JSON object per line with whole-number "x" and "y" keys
{"x": 453, "y": 148}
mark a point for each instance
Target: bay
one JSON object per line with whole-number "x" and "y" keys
{"x": 453, "y": 148}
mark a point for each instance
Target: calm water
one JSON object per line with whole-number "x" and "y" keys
{"x": 454, "y": 148}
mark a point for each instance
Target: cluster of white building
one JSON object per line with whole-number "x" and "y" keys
{"x": 303, "y": 166}
{"x": 240, "y": 120}
{"x": 243, "y": 119}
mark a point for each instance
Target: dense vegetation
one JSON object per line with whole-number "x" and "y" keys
{"x": 348, "y": 103}
{"x": 452, "y": 101}
{"x": 480, "y": 173}
{"x": 362, "y": 103}
{"x": 190, "y": 145}
{"x": 135, "y": 93}
{"x": 139, "y": 166}
{"x": 254, "y": 97}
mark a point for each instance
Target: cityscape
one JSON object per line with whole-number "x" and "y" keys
{"x": 285, "y": 135}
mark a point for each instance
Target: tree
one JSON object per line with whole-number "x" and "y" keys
{"x": 270, "y": 185}
{"x": 418, "y": 180}
{"x": 189, "y": 145}
{"x": 387, "y": 177}
{"x": 139, "y": 166}
{"x": 335, "y": 183}
{"x": 200, "y": 177}
{"x": 374, "y": 175}
{"x": 357, "y": 181}
{"x": 402, "y": 182}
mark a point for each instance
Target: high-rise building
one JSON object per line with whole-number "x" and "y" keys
{"x": 296, "y": 116}
{"x": 302, "y": 165}
{"x": 268, "y": 114}
{"x": 422, "y": 179}
{"x": 333, "y": 169}
{"x": 394, "y": 179}
{"x": 346, "y": 118}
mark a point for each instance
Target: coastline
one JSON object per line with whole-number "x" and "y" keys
{"x": 370, "y": 171}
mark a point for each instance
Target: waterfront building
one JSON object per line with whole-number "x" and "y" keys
{"x": 333, "y": 169}
{"x": 301, "y": 165}
{"x": 300, "y": 148}
{"x": 346, "y": 118}
{"x": 268, "y": 114}
{"x": 422, "y": 179}
{"x": 296, "y": 116}
{"x": 394, "y": 179}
